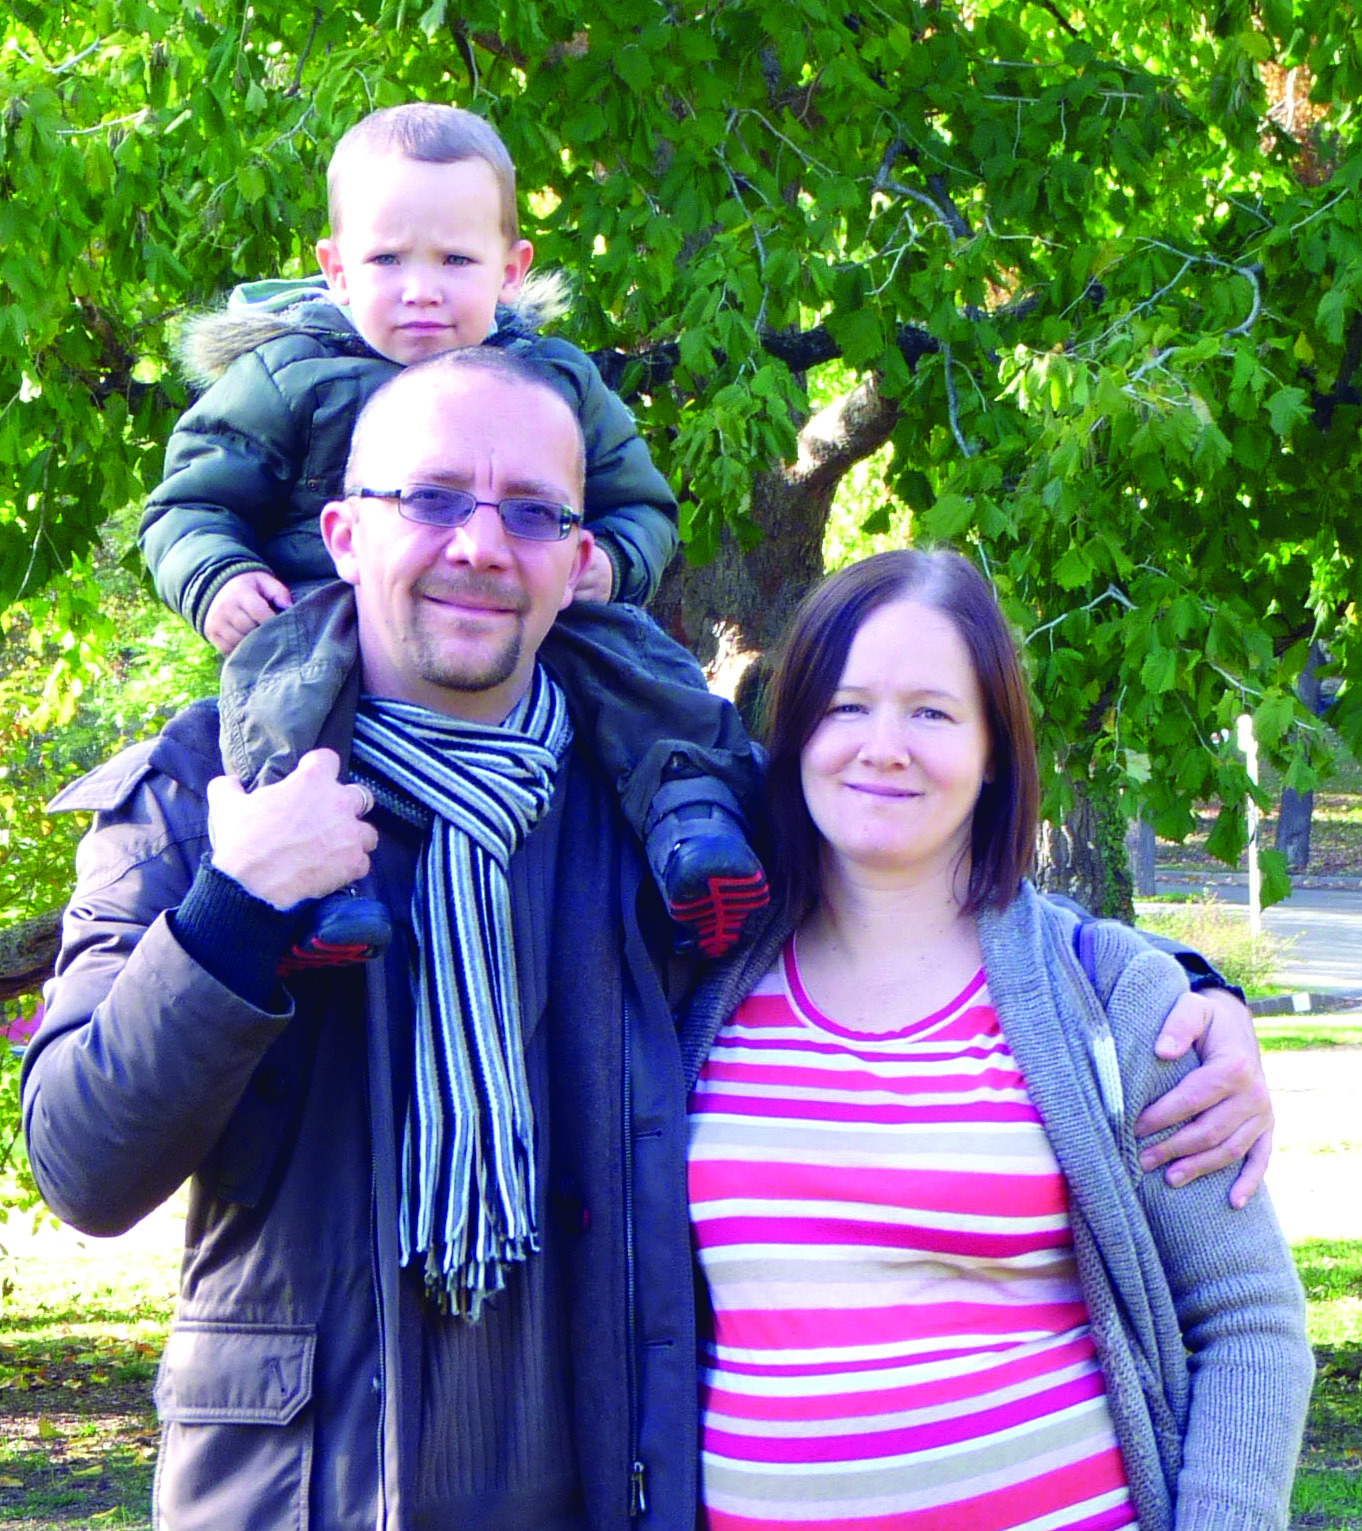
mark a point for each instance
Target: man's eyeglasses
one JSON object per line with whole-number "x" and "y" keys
{"x": 434, "y": 505}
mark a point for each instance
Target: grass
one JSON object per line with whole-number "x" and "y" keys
{"x": 1328, "y": 1491}
{"x": 1291, "y": 1035}
{"x": 80, "y": 1336}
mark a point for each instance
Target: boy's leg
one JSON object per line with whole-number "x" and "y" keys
{"x": 640, "y": 698}
{"x": 687, "y": 775}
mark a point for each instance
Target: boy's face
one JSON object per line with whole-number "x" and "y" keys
{"x": 421, "y": 260}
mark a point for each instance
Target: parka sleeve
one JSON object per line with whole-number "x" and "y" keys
{"x": 629, "y": 507}
{"x": 142, "y": 1056}
{"x": 230, "y": 466}
{"x": 1239, "y": 1306}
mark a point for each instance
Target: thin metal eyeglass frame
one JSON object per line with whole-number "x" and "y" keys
{"x": 567, "y": 516}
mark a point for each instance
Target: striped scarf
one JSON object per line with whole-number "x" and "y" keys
{"x": 468, "y": 1181}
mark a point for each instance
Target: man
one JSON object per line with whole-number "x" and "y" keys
{"x": 437, "y": 1261}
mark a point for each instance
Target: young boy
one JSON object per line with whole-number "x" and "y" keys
{"x": 425, "y": 255}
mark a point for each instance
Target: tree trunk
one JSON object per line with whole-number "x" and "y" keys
{"x": 1293, "y": 828}
{"x": 730, "y": 611}
{"x": 28, "y": 953}
{"x": 1297, "y": 810}
{"x": 1140, "y": 853}
{"x": 1084, "y": 858}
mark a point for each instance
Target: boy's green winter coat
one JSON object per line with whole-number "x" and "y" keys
{"x": 250, "y": 465}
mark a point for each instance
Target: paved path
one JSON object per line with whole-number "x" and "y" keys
{"x": 1324, "y": 926}
{"x": 1316, "y": 1172}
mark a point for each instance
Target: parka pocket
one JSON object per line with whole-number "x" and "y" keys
{"x": 236, "y": 1448}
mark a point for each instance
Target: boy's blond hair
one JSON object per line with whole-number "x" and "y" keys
{"x": 439, "y": 135}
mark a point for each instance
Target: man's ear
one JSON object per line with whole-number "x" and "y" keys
{"x": 518, "y": 259}
{"x": 580, "y": 559}
{"x": 338, "y": 533}
{"x": 329, "y": 257}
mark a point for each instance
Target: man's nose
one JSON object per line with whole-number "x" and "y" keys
{"x": 481, "y": 542}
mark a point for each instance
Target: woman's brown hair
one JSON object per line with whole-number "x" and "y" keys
{"x": 809, "y": 670}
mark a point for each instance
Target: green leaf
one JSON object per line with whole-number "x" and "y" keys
{"x": 1228, "y": 836}
{"x": 1073, "y": 570}
{"x": 1159, "y": 672}
{"x": 1276, "y": 884}
{"x": 1285, "y": 409}
{"x": 250, "y": 180}
{"x": 1272, "y": 719}
{"x": 860, "y": 335}
{"x": 949, "y": 517}
{"x": 634, "y": 67}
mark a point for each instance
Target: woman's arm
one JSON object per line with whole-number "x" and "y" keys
{"x": 1239, "y": 1308}
{"x": 1222, "y": 1108}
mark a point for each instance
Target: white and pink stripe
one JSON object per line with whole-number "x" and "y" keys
{"x": 898, "y": 1338}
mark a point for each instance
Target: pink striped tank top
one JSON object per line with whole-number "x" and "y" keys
{"x": 898, "y": 1337}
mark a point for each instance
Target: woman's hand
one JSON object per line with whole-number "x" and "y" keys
{"x": 1223, "y": 1104}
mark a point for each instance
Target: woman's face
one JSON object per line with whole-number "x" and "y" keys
{"x": 892, "y": 772}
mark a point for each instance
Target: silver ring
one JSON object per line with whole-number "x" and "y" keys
{"x": 366, "y": 799}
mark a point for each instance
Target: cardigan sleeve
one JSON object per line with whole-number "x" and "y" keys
{"x": 1238, "y": 1301}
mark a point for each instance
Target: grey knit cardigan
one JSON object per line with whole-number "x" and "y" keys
{"x": 1196, "y": 1309}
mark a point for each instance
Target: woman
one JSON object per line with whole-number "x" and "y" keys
{"x": 942, "y": 1293}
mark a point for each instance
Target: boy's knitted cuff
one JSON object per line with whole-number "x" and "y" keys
{"x": 235, "y": 937}
{"x": 202, "y": 598}
{"x": 610, "y": 548}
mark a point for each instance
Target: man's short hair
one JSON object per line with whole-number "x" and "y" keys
{"x": 438, "y": 135}
{"x": 507, "y": 365}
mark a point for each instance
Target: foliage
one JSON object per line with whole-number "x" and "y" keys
{"x": 137, "y": 669}
{"x": 83, "y": 1327}
{"x": 1103, "y": 258}
{"x": 1224, "y": 938}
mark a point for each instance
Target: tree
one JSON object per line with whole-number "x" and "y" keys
{"x": 1092, "y": 270}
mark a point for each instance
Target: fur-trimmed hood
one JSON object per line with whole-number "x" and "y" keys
{"x": 208, "y": 343}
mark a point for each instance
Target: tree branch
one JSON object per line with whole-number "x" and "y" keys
{"x": 849, "y": 429}
{"x": 28, "y": 954}
{"x": 306, "y": 49}
{"x": 954, "y": 219}
{"x": 801, "y": 351}
{"x": 1054, "y": 10}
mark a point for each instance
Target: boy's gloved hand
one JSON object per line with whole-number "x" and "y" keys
{"x": 243, "y": 603}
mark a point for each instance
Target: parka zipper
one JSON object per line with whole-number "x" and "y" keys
{"x": 379, "y": 1318}
{"x": 638, "y": 1495}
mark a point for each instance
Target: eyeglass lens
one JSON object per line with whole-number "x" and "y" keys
{"x": 536, "y": 520}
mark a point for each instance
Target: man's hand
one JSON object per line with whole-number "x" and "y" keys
{"x": 1224, "y": 1103}
{"x": 598, "y": 579}
{"x": 302, "y": 837}
{"x": 243, "y": 603}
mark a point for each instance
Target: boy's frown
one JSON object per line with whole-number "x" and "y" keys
{"x": 420, "y": 255}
